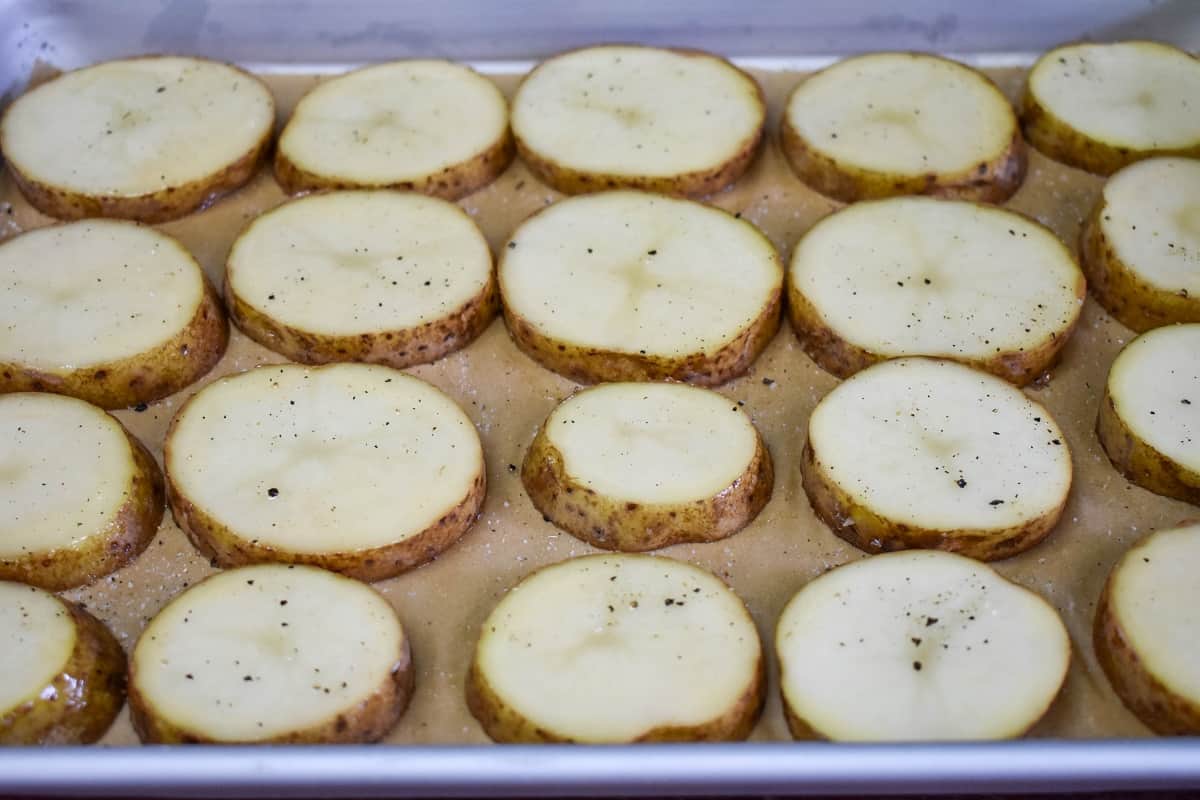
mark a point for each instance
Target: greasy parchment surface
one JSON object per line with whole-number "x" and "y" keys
{"x": 507, "y": 396}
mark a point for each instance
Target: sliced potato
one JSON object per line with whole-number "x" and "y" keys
{"x": 110, "y": 312}
{"x": 914, "y": 276}
{"x": 64, "y": 673}
{"x": 1149, "y": 422}
{"x": 385, "y": 277}
{"x": 618, "y": 648}
{"x": 1100, "y": 107}
{"x": 673, "y": 121}
{"x": 925, "y": 453}
{"x": 360, "y": 469}
{"x": 626, "y": 285}
{"x": 1141, "y": 245}
{"x": 1148, "y": 630}
{"x": 271, "y": 654}
{"x": 638, "y": 466}
{"x": 150, "y": 138}
{"x": 888, "y": 124}
{"x": 81, "y": 496}
{"x": 432, "y": 126}
{"x": 918, "y": 647}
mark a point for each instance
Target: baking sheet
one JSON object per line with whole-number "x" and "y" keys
{"x": 507, "y": 396}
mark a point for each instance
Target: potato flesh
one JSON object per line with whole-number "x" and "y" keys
{"x": 349, "y": 263}
{"x": 144, "y": 124}
{"x": 607, "y": 648}
{"x": 1155, "y": 386}
{"x": 636, "y": 111}
{"x": 37, "y": 637}
{"x": 330, "y": 459}
{"x": 917, "y": 276}
{"x": 638, "y": 273}
{"x": 1126, "y": 94}
{"x": 902, "y": 114}
{"x": 394, "y": 122}
{"x": 919, "y": 646}
{"x": 256, "y": 652}
{"x": 652, "y": 443}
{"x": 941, "y": 446}
{"x": 93, "y": 292}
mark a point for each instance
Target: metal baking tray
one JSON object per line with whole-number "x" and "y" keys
{"x": 306, "y": 36}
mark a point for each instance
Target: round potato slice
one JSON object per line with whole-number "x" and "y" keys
{"x": 924, "y": 453}
{"x": 918, "y": 647}
{"x": 432, "y": 126}
{"x": 618, "y": 649}
{"x": 81, "y": 496}
{"x": 150, "y": 139}
{"x": 386, "y": 277}
{"x": 889, "y": 124}
{"x": 638, "y": 466}
{"x": 1149, "y": 422}
{"x": 110, "y": 312}
{"x": 1148, "y": 631}
{"x": 1141, "y": 245}
{"x": 360, "y": 469}
{"x": 626, "y": 285}
{"x": 271, "y": 654}
{"x": 1100, "y": 107}
{"x": 914, "y": 276}
{"x": 64, "y": 673}
{"x": 674, "y": 121}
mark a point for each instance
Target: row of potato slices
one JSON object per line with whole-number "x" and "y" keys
{"x": 158, "y": 137}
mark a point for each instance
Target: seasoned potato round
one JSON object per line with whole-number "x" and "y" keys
{"x": 890, "y": 124}
{"x": 1149, "y": 422}
{"x": 355, "y": 468}
{"x": 111, "y": 312}
{"x": 150, "y": 138}
{"x": 271, "y": 654}
{"x": 925, "y": 453}
{"x": 617, "y": 648}
{"x": 81, "y": 496}
{"x": 638, "y": 466}
{"x": 674, "y": 121}
{"x": 626, "y": 285}
{"x": 386, "y": 277}
{"x": 918, "y": 647}
{"x": 433, "y": 126}
{"x": 64, "y": 673}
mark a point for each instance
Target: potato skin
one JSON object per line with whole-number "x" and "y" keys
{"x": 1140, "y": 462}
{"x": 80, "y": 703}
{"x": 636, "y": 527}
{"x": 142, "y": 378}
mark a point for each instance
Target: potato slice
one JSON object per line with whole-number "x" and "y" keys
{"x": 1141, "y": 245}
{"x": 889, "y": 124}
{"x": 360, "y": 469}
{"x": 638, "y": 466}
{"x": 81, "y": 496}
{"x": 1149, "y": 422}
{"x": 618, "y": 648}
{"x": 386, "y": 277}
{"x": 915, "y": 276}
{"x": 924, "y": 453}
{"x": 150, "y": 138}
{"x": 626, "y": 285}
{"x": 64, "y": 673}
{"x": 918, "y": 647}
{"x": 1148, "y": 629}
{"x": 1100, "y": 107}
{"x": 674, "y": 121}
{"x": 432, "y": 126}
{"x": 271, "y": 654}
{"x": 111, "y": 312}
